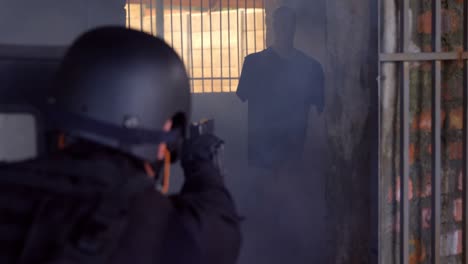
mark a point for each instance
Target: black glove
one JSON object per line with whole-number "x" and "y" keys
{"x": 202, "y": 149}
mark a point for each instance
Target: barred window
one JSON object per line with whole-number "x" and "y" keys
{"x": 211, "y": 36}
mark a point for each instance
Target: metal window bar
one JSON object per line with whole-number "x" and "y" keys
{"x": 221, "y": 43}
{"x": 241, "y": 11}
{"x": 246, "y": 29}
{"x": 202, "y": 48}
{"x": 172, "y": 23}
{"x": 141, "y": 15}
{"x": 128, "y": 13}
{"x": 229, "y": 44}
{"x": 263, "y": 24}
{"x": 403, "y": 58}
{"x": 211, "y": 45}
{"x": 404, "y": 142}
{"x": 422, "y": 56}
{"x": 465, "y": 137}
{"x": 215, "y": 78}
{"x": 238, "y": 41}
{"x": 255, "y": 25}
{"x": 436, "y": 134}
{"x": 191, "y": 45}
{"x": 151, "y": 16}
{"x": 379, "y": 244}
{"x": 155, "y": 18}
{"x": 242, "y": 41}
{"x": 160, "y": 18}
{"x": 182, "y": 51}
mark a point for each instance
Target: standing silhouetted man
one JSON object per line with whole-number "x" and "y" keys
{"x": 280, "y": 84}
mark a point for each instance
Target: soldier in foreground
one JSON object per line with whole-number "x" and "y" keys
{"x": 117, "y": 117}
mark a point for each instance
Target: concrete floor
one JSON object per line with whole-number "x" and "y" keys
{"x": 285, "y": 214}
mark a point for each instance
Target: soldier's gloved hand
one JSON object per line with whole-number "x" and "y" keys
{"x": 201, "y": 149}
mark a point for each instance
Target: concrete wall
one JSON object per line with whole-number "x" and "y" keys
{"x": 351, "y": 127}
{"x": 55, "y": 22}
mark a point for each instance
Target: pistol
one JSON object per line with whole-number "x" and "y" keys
{"x": 204, "y": 126}
{"x": 207, "y": 126}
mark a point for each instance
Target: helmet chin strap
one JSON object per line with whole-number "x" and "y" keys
{"x": 61, "y": 141}
{"x": 153, "y": 173}
{"x": 167, "y": 172}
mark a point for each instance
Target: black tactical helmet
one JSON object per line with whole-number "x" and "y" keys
{"x": 117, "y": 87}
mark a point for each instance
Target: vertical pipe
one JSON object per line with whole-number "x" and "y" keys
{"x": 172, "y": 23}
{"x": 404, "y": 147}
{"x": 141, "y": 15}
{"x": 436, "y": 135}
{"x": 255, "y": 25}
{"x": 192, "y": 75}
{"x": 229, "y": 44}
{"x": 221, "y": 41}
{"x": 238, "y": 42}
{"x": 246, "y": 30}
{"x": 465, "y": 137}
{"x": 181, "y": 32}
{"x": 151, "y": 16}
{"x": 160, "y": 18}
{"x": 202, "y": 51}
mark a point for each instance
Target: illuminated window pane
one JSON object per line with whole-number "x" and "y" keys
{"x": 214, "y": 51}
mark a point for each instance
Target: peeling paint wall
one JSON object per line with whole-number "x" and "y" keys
{"x": 351, "y": 82}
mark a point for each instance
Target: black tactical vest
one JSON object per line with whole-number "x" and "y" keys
{"x": 52, "y": 211}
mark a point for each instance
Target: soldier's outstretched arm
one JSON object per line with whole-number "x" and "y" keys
{"x": 205, "y": 207}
